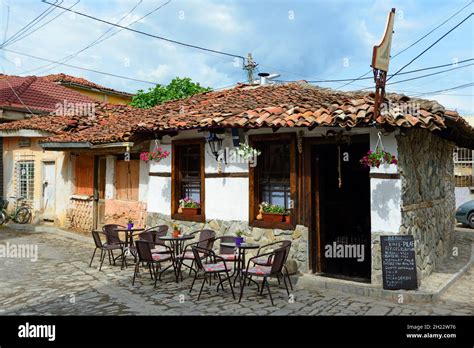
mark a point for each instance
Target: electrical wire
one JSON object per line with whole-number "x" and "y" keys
{"x": 150, "y": 35}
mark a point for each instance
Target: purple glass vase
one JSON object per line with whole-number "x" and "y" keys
{"x": 239, "y": 240}
{"x": 130, "y": 225}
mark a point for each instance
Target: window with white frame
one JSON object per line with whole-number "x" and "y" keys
{"x": 463, "y": 167}
{"x": 25, "y": 179}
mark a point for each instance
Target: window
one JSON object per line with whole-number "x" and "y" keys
{"x": 273, "y": 180}
{"x": 463, "y": 167}
{"x": 188, "y": 176}
{"x": 127, "y": 179}
{"x": 26, "y": 176}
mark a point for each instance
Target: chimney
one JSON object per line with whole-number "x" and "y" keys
{"x": 265, "y": 77}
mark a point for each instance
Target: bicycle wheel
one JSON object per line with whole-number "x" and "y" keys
{"x": 23, "y": 215}
{"x": 3, "y": 218}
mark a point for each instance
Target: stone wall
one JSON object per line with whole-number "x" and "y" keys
{"x": 80, "y": 213}
{"x": 297, "y": 259}
{"x": 428, "y": 201}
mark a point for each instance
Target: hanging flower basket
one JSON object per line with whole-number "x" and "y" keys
{"x": 378, "y": 157}
{"x": 156, "y": 156}
{"x": 247, "y": 152}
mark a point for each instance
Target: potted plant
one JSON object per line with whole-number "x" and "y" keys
{"x": 247, "y": 152}
{"x": 378, "y": 157}
{"x": 129, "y": 223}
{"x": 176, "y": 230}
{"x": 240, "y": 239}
{"x": 287, "y": 217}
{"x": 273, "y": 212}
{"x": 189, "y": 206}
{"x": 157, "y": 155}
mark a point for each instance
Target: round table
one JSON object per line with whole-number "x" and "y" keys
{"x": 177, "y": 246}
{"x": 241, "y": 256}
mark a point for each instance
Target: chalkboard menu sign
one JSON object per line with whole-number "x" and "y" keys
{"x": 398, "y": 262}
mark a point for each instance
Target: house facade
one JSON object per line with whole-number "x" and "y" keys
{"x": 311, "y": 142}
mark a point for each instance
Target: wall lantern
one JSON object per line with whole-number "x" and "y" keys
{"x": 215, "y": 144}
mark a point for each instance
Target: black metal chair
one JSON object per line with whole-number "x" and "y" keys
{"x": 229, "y": 254}
{"x": 157, "y": 232}
{"x": 274, "y": 270}
{"x": 267, "y": 261}
{"x": 105, "y": 248}
{"x": 206, "y": 242}
{"x": 153, "y": 261}
{"x": 217, "y": 266}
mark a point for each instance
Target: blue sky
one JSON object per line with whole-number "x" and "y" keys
{"x": 299, "y": 39}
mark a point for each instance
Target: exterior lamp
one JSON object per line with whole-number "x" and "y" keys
{"x": 215, "y": 144}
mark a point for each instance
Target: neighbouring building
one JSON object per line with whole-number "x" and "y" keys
{"x": 464, "y": 171}
{"x": 90, "y": 89}
{"x": 311, "y": 142}
{"x": 43, "y": 178}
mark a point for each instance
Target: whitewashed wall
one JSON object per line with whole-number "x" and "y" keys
{"x": 227, "y": 198}
{"x": 385, "y": 194}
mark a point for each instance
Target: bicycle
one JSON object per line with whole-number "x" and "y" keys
{"x": 21, "y": 215}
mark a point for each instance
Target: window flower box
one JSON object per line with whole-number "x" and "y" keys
{"x": 191, "y": 211}
{"x": 273, "y": 217}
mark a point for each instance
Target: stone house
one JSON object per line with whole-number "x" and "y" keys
{"x": 311, "y": 141}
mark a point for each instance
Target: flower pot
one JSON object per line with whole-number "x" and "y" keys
{"x": 287, "y": 219}
{"x": 239, "y": 240}
{"x": 176, "y": 234}
{"x": 270, "y": 217}
{"x": 130, "y": 225}
{"x": 191, "y": 211}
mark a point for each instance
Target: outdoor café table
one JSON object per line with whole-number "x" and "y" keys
{"x": 177, "y": 244}
{"x": 129, "y": 233}
{"x": 241, "y": 256}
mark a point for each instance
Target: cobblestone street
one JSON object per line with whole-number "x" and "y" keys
{"x": 61, "y": 283}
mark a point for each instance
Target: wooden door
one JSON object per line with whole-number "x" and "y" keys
{"x": 100, "y": 165}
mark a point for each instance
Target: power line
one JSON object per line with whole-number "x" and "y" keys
{"x": 31, "y": 23}
{"x": 429, "y": 47}
{"x": 447, "y": 89}
{"x": 69, "y": 57}
{"x": 150, "y": 35}
{"x": 43, "y": 25}
{"x": 7, "y": 21}
{"x": 78, "y": 67}
{"x": 423, "y": 76}
{"x": 417, "y": 41}
{"x": 402, "y": 73}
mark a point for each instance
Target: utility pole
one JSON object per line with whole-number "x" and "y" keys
{"x": 250, "y": 66}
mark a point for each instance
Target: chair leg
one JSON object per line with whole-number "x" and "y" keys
{"x": 113, "y": 257}
{"x": 278, "y": 278}
{"x": 263, "y": 286}
{"x": 286, "y": 286}
{"x": 155, "y": 269}
{"x": 150, "y": 266}
{"x": 90, "y": 264}
{"x": 110, "y": 260}
{"x": 288, "y": 276}
{"x": 269, "y": 293}
{"x": 191, "y": 268}
{"x": 242, "y": 285}
{"x": 220, "y": 282}
{"x": 230, "y": 284}
{"x": 202, "y": 286}
{"x": 102, "y": 257}
{"x": 194, "y": 280}
{"x": 137, "y": 266}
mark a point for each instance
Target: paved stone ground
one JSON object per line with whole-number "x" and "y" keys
{"x": 61, "y": 283}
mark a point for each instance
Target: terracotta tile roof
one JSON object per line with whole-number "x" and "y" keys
{"x": 275, "y": 106}
{"x": 40, "y": 95}
{"x": 79, "y": 81}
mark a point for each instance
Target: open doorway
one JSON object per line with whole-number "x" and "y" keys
{"x": 341, "y": 209}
